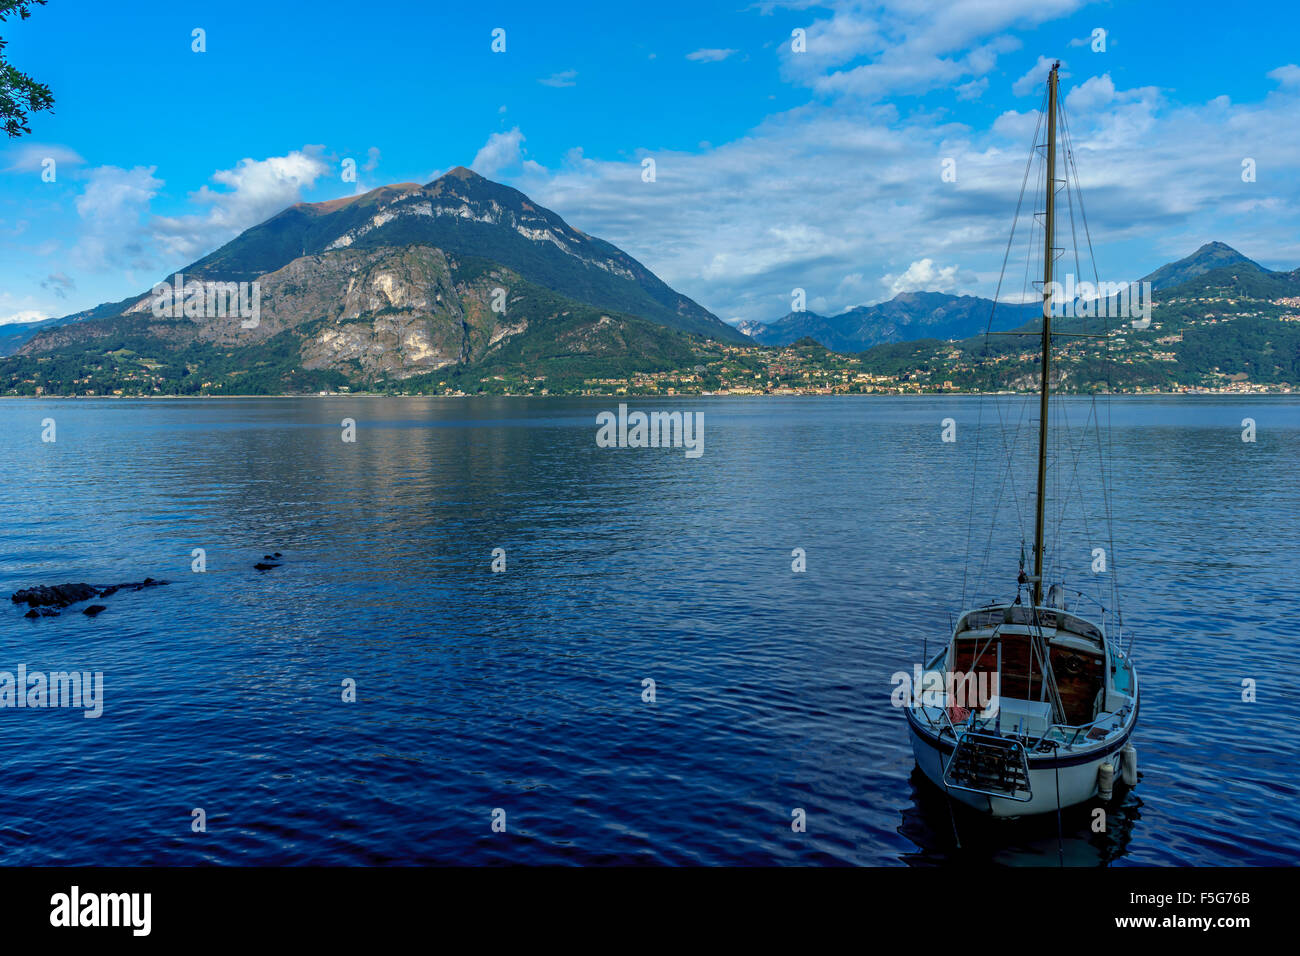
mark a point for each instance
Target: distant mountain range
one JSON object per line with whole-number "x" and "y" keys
{"x": 1233, "y": 327}
{"x": 911, "y": 316}
{"x": 904, "y": 318}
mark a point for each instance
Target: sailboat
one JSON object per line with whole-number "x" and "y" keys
{"x": 1057, "y": 729}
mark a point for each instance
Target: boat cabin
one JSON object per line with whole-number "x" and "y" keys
{"x": 1007, "y": 636}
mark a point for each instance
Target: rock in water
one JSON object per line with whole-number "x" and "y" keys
{"x": 46, "y": 600}
{"x": 268, "y": 562}
{"x": 57, "y": 595}
{"x": 131, "y": 586}
{"x": 94, "y": 610}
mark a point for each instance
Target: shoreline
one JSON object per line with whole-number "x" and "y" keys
{"x": 655, "y": 395}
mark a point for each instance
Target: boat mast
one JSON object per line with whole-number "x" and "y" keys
{"x": 1049, "y": 227}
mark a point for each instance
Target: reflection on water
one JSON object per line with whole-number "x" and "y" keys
{"x": 961, "y": 835}
{"x": 522, "y": 690}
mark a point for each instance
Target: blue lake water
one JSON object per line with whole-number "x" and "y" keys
{"x": 522, "y": 690}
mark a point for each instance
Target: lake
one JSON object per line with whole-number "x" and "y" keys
{"x": 521, "y": 690}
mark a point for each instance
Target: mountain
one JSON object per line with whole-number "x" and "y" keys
{"x": 16, "y": 334}
{"x": 787, "y": 329}
{"x": 1234, "y": 328}
{"x": 906, "y": 317}
{"x": 1240, "y": 281}
{"x": 1212, "y": 255}
{"x": 401, "y": 281}
{"x": 464, "y": 214}
{"x": 466, "y": 286}
{"x": 750, "y": 328}
{"x": 911, "y": 316}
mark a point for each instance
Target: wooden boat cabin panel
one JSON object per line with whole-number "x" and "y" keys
{"x": 1080, "y": 677}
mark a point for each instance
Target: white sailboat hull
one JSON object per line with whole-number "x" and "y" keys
{"x": 1070, "y": 777}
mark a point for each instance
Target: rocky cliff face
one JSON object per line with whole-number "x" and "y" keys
{"x": 371, "y": 313}
{"x": 395, "y": 313}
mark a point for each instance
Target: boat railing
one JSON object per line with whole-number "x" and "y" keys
{"x": 1064, "y": 730}
{"x": 1078, "y": 729}
{"x": 1069, "y": 733}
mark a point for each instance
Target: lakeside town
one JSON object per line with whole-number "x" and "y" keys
{"x": 800, "y": 369}
{"x": 807, "y": 368}
{"x": 1158, "y": 359}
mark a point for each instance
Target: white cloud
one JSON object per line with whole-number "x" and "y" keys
{"x": 372, "y": 160}
{"x": 845, "y": 36}
{"x": 29, "y": 157}
{"x": 922, "y": 276}
{"x": 1091, "y": 95}
{"x": 256, "y": 189}
{"x": 911, "y": 46}
{"x": 1288, "y": 75}
{"x": 815, "y": 196}
{"x": 118, "y": 231}
{"x": 1088, "y": 41}
{"x": 23, "y": 315}
{"x": 26, "y": 308}
{"x": 501, "y": 151}
{"x": 1016, "y": 125}
{"x": 1035, "y": 79}
{"x": 710, "y": 55}
{"x": 562, "y": 79}
{"x": 834, "y": 195}
{"x": 59, "y": 283}
{"x": 111, "y": 208}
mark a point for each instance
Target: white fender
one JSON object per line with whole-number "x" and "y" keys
{"x": 1130, "y": 766}
{"x": 1105, "y": 780}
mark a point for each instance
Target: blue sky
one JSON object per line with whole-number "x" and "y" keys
{"x": 818, "y": 170}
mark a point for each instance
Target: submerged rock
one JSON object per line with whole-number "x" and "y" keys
{"x": 57, "y": 595}
{"x": 146, "y": 583}
{"x": 268, "y": 562}
{"x": 46, "y": 600}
